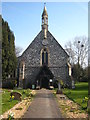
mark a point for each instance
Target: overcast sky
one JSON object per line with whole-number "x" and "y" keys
{"x": 66, "y": 20}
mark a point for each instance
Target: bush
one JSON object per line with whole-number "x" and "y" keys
{"x": 9, "y": 84}
{"x": 27, "y": 92}
{"x": 62, "y": 84}
{"x": 23, "y": 92}
{"x": 84, "y": 79}
{"x": 55, "y": 84}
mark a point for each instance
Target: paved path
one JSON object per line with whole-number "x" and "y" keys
{"x": 44, "y": 105}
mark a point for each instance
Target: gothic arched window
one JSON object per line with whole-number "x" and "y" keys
{"x": 22, "y": 70}
{"x": 44, "y": 57}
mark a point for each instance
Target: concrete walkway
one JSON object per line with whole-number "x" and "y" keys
{"x": 44, "y": 105}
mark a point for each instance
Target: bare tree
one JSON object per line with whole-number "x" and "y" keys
{"x": 78, "y": 51}
{"x": 18, "y": 51}
{"x": 70, "y": 51}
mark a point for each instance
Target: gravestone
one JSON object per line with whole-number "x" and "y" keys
{"x": 17, "y": 95}
{"x": 59, "y": 92}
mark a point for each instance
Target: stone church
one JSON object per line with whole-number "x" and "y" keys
{"x": 44, "y": 61}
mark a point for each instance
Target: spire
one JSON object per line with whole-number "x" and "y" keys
{"x": 45, "y": 21}
{"x": 44, "y": 11}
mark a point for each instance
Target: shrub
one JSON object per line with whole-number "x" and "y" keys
{"x": 23, "y": 92}
{"x": 10, "y": 84}
{"x": 62, "y": 84}
{"x": 55, "y": 84}
{"x": 27, "y": 92}
{"x": 31, "y": 95}
{"x": 85, "y": 99}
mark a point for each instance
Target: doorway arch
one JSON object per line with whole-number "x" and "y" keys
{"x": 44, "y": 76}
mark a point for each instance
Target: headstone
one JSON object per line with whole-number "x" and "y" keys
{"x": 17, "y": 95}
{"x": 33, "y": 86}
{"x": 73, "y": 84}
{"x": 59, "y": 92}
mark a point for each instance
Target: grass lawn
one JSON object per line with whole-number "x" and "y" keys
{"x": 7, "y": 103}
{"x": 78, "y": 94}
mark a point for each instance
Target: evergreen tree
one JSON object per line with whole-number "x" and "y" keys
{"x": 9, "y": 61}
{"x": 79, "y": 73}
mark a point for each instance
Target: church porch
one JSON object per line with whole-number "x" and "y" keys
{"x": 44, "y": 78}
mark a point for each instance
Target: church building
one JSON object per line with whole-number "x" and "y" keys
{"x": 44, "y": 62}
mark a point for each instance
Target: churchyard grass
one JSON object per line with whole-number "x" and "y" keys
{"x": 7, "y": 103}
{"x": 79, "y": 94}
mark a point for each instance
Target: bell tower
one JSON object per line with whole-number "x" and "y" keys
{"x": 45, "y": 22}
